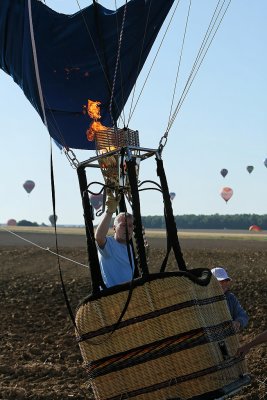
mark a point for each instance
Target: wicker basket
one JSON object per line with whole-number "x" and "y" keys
{"x": 175, "y": 341}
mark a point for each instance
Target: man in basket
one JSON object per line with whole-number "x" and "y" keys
{"x": 114, "y": 252}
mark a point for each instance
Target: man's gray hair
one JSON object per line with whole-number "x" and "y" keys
{"x": 125, "y": 214}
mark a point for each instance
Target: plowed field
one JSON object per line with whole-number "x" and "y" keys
{"x": 39, "y": 357}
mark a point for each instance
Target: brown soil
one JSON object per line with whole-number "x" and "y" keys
{"x": 39, "y": 357}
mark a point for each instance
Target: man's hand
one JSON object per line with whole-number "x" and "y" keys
{"x": 112, "y": 202}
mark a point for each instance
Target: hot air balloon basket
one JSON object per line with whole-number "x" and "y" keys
{"x": 109, "y": 142}
{"x": 175, "y": 340}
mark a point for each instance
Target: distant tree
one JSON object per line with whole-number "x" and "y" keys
{"x": 215, "y": 221}
{"x": 24, "y": 222}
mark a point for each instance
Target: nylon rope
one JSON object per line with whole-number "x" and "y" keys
{"x": 70, "y": 155}
{"x": 117, "y": 63}
{"x": 153, "y": 62}
{"x": 40, "y": 91}
{"x": 149, "y": 72}
{"x": 199, "y": 57}
{"x": 63, "y": 287}
{"x": 96, "y": 52}
{"x": 37, "y": 75}
{"x": 93, "y": 43}
{"x": 180, "y": 60}
{"x": 134, "y": 89}
{"x": 121, "y": 84}
{"x": 206, "y": 43}
{"x": 43, "y": 248}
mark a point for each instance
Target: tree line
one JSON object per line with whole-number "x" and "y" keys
{"x": 192, "y": 221}
{"x": 215, "y": 221}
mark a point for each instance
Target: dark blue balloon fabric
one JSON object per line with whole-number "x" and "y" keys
{"x": 76, "y": 59}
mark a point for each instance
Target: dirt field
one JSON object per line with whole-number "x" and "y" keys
{"x": 39, "y": 357}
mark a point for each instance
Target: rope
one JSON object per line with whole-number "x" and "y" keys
{"x": 121, "y": 81}
{"x": 206, "y": 43}
{"x": 96, "y": 52}
{"x": 37, "y": 75}
{"x": 198, "y": 62}
{"x": 130, "y": 111}
{"x": 153, "y": 63}
{"x": 39, "y": 86}
{"x": 72, "y": 159}
{"x": 43, "y": 248}
{"x": 180, "y": 59}
{"x": 117, "y": 63}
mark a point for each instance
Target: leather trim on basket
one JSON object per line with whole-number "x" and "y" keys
{"x": 177, "y": 380}
{"x": 200, "y": 276}
{"x": 153, "y": 314}
{"x": 157, "y": 349}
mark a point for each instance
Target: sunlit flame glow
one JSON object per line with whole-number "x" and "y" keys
{"x": 93, "y": 110}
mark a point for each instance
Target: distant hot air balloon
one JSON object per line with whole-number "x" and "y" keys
{"x": 226, "y": 193}
{"x": 96, "y": 200}
{"x": 250, "y": 168}
{"x": 265, "y": 162}
{"x": 28, "y": 186}
{"x": 255, "y": 228}
{"x": 172, "y": 195}
{"x": 224, "y": 172}
{"x": 53, "y": 219}
{"x": 11, "y": 222}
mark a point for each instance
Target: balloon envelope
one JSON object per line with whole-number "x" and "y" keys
{"x": 224, "y": 172}
{"x": 255, "y": 228}
{"x": 11, "y": 222}
{"x": 172, "y": 195}
{"x": 28, "y": 186}
{"x": 96, "y": 200}
{"x": 77, "y": 57}
{"x": 250, "y": 168}
{"x": 53, "y": 219}
{"x": 226, "y": 193}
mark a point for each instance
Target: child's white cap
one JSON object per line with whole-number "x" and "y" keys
{"x": 220, "y": 274}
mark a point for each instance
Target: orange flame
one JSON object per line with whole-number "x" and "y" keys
{"x": 95, "y": 126}
{"x": 93, "y": 110}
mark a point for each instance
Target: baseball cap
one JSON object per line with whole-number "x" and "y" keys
{"x": 220, "y": 274}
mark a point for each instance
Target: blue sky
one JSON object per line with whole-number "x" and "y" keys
{"x": 221, "y": 124}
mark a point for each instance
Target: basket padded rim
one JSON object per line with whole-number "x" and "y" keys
{"x": 200, "y": 276}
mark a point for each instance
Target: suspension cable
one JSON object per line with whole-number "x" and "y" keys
{"x": 180, "y": 59}
{"x": 153, "y": 62}
{"x": 72, "y": 158}
{"x": 141, "y": 51}
{"x": 35, "y": 59}
{"x": 97, "y": 54}
{"x": 206, "y": 43}
{"x": 120, "y": 74}
{"x": 117, "y": 64}
{"x": 43, "y": 248}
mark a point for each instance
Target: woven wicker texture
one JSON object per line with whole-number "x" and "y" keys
{"x": 176, "y": 339}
